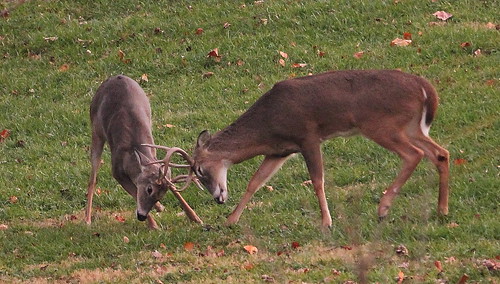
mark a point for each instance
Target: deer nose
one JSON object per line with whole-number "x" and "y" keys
{"x": 141, "y": 217}
{"x": 220, "y": 200}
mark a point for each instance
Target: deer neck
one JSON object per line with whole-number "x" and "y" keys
{"x": 236, "y": 143}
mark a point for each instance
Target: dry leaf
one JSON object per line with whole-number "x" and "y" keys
{"x": 401, "y": 277}
{"x": 465, "y": 44}
{"x": 453, "y": 225}
{"x": 459, "y": 162}
{"x": 295, "y": 245}
{"x": 437, "y": 263}
{"x": 121, "y": 54}
{"x": 491, "y": 26}
{"x": 189, "y": 246}
{"x": 400, "y": 42}
{"x": 126, "y": 239}
{"x": 207, "y": 74}
{"x": 144, "y": 77}
{"x": 282, "y": 62}
{"x": 119, "y": 218}
{"x": 407, "y": 35}
{"x": 199, "y": 31}
{"x": 307, "y": 182}
{"x": 270, "y": 188}
{"x": 251, "y": 249}
{"x": 226, "y": 25}
{"x": 463, "y": 279}
{"x": 477, "y": 52}
{"x": 13, "y": 199}
{"x": 299, "y": 65}
{"x": 358, "y": 54}
{"x": 442, "y": 15}
{"x": 248, "y": 266}
{"x": 3, "y": 227}
{"x": 214, "y": 53}
{"x": 156, "y": 254}
{"x": 4, "y": 134}
{"x": 283, "y": 54}
{"x": 64, "y": 67}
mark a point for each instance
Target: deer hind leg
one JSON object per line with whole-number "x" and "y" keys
{"x": 439, "y": 156}
{"x": 267, "y": 169}
{"x": 312, "y": 156}
{"x": 95, "y": 159}
{"x": 398, "y": 142}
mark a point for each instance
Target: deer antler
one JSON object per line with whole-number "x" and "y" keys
{"x": 187, "y": 179}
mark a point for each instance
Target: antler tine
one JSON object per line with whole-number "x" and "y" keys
{"x": 156, "y": 146}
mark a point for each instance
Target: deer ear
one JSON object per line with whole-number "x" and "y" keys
{"x": 203, "y": 139}
{"x": 141, "y": 158}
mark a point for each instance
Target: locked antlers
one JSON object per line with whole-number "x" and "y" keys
{"x": 186, "y": 179}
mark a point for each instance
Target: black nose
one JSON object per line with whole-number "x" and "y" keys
{"x": 219, "y": 200}
{"x": 141, "y": 217}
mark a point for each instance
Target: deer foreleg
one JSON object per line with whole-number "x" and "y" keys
{"x": 267, "y": 169}
{"x": 314, "y": 161}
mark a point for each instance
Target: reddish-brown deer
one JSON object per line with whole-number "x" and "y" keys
{"x": 121, "y": 115}
{"x": 392, "y": 108}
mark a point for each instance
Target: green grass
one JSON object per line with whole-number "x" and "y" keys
{"x": 44, "y": 161}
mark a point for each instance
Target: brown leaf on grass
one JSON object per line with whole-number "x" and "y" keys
{"x": 346, "y": 247}
{"x": 321, "y": 53}
{"x": 283, "y": 54}
{"x": 465, "y": 44}
{"x": 295, "y": 245}
{"x": 156, "y": 254}
{"x": 50, "y": 38}
{"x": 359, "y": 54}
{"x": 269, "y": 188}
{"x": 144, "y": 77}
{"x": 491, "y": 264}
{"x": 13, "y": 199}
{"x": 401, "y": 277}
{"x": 463, "y": 279}
{"x": 64, "y": 67}
{"x": 401, "y": 250}
{"x": 459, "y": 162}
{"x": 248, "y": 266}
{"x": 438, "y": 265}
{"x": 120, "y": 218}
{"x": 3, "y": 227}
{"x": 453, "y": 225}
{"x": 121, "y": 56}
{"x": 251, "y": 249}
{"x": 199, "y": 31}
{"x": 4, "y": 134}
{"x": 442, "y": 15}
{"x": 406, "y": 35}
{"x": 490, "y": 82}
{"x": 299, "y": 65}
{"x": 477, "y": 52}
{"x": 214, "y": 53}
{"x": 207, "y": 74}
{"x": 226, "y": 25}
{"x": 126, "y": 239}
{"x": 307, "y": 182}
{"x": 5, "y": 13}
{"x": 189, "y": 246}
{"x": 492, "y": 26}
{"x": 282, "y": 62}
{"x": 400, "y": 42}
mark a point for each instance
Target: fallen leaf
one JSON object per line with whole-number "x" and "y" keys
{"x": 267, "y": 278}
{"x": 50, "y": 38}
{"x": 321, "y": 53}
{"x": 263, "y": 21}
{"x": 163, "y": 246}
{"x": 442, "y": 15}
{"x": 119, "y": 218}
{"x": 407, "y": 35}
{"x": 295, "y": 245}
{"x": 251, "y": 249}
{"x": 460, "y": 162}
{"x": 5, "y": 13}
{"x": 465, "y": 44}
{"x": 13, "y": 199}
{"x": 189, "y": 246}
{"x": 158, "y": 30}
{"x": 207, "y": 74}
{"x": 156, "y": 254}
{"x": 299, "y": 65}
{"x": 490, "y": 82}
{"x": 121, "y": 54}
{"x": 248, "y": 266}
{"x": 126, "y": 239}
{"x": 453, "y": 225}
{"x": 359, "y": 54}
{"x": 477, "y": 52}
{"x": 437, "y": 263}
{"x": 226, "y": 25}
{"x": 400, "y": 42}
{"x": 401, "y": 250}
{"x": 199, "y": 31}
{"x": 269, "y": 188}
{"x": 4, "y": 134}
{"x": 214, "y": 53}
{"x": 491, "y": 26}
{"x": 240, "y": 62}
{"x": 3, "y": 227}
{"x": 64, "y": 67}
{"x": 401, "y": 277}
{"x": 463, "y": 279}
{"x": 169, "y": 125}
{"x": 346, "y": 247}
{"x": 307, "y": 182}
{"x": 282, "y": 62}
{"x": 283, "y": 54}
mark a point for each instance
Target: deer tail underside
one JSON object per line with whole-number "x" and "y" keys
{"x": 429, "y": 108}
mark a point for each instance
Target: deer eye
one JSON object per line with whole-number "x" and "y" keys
{"x": 149, "y": 190}
{"x": 199, "y": 171}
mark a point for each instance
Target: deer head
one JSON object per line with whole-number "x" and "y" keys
{"x": 210, "y": 170}
{"x": 151, "y": 185}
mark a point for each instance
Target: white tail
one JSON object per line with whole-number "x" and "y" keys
{"x": 392, "y": 108}
{"x": 120, "y": 114}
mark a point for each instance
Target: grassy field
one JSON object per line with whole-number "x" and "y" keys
{"x": 54, "y": 54}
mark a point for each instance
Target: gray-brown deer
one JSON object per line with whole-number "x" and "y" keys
{"x": 121, "y": 115}
{"x": 392, "y": 108}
